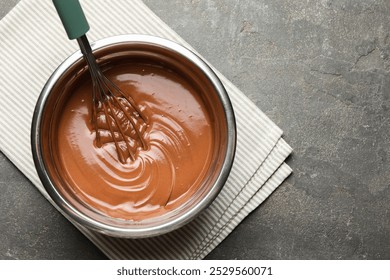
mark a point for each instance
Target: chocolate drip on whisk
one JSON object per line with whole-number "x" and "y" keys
{"x": 111, "y": 101}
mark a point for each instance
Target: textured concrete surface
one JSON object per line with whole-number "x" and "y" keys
{"x": 320, "y": 70}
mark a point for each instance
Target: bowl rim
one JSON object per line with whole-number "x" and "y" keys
{"x": 74, "y": 214}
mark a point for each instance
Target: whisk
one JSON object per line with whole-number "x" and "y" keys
{"x": 121, "y": 116}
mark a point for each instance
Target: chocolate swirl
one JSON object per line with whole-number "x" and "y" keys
{"x": 163, "y": 176}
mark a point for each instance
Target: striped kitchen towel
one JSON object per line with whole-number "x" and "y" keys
{"x": 31, "y": 49}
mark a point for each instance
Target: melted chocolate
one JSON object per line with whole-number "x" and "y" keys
{"x": 166, "y": 174}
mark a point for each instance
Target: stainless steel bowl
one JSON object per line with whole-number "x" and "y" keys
{"x": 164, "y": 51}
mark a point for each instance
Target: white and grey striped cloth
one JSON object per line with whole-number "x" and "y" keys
{"x": 33, "y": 43}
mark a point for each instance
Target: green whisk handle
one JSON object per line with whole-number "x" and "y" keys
{"x": 72, "y": 17}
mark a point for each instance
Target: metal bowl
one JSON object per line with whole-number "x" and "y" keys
{"x": 185, "y": 62}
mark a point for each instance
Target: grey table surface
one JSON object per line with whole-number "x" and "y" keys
{"x": 320, "y": 71}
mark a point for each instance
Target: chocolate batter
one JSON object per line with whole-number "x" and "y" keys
{"x": 179, "y": 140}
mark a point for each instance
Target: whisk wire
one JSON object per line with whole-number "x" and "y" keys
{"x": 117, "y": 121}
{"x": 130, "y": 118}
{"x": 107, "y": 95}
